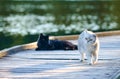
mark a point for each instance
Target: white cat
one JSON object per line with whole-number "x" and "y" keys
{"x": 88, "y": 44}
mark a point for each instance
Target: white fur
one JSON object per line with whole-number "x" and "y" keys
{"x": 88, "y": 44}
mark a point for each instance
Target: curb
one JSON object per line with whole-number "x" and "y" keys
{"x": 15, "y": 49}
{"x": 33, "y": 45}
{"x": 115, "y": 75}
{"x": 99, "y": 34}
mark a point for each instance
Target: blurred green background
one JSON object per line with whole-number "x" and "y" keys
{"x": 21, "y": 21}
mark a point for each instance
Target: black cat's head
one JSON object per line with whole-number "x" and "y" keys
{"x": 44, "y": 38}
{"x": 43, "y": 41}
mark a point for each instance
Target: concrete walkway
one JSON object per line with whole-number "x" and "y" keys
{"x": 31, "y": 64}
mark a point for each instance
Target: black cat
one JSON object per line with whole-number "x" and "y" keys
{"x": 44, "y": 43}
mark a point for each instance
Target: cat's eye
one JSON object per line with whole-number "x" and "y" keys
{"x": 90, "y": 39}
{"x": 94, "y": 36}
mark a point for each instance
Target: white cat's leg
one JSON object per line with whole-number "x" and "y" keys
{"x": 89, "y": 57}
{"x": 95, "y": 56}
{"x": 82, "y": 57}
{"x": 80, "y": 49}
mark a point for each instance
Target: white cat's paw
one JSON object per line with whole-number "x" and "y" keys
{"x": 95, "y": 62}
{"x": 90, "y": 63}
{"x": 81, "y": 60}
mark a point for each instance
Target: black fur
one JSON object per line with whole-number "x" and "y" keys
{"x": 45, "y": 44}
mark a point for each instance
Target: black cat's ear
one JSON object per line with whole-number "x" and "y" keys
{"x": 41, "y": 34}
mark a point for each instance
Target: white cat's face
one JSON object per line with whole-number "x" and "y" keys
{"x": 89, "y": 37}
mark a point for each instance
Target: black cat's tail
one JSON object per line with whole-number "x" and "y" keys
{"x": 75, "y": 47}
{"x": 37, "y": 49}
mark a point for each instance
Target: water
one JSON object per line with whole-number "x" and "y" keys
{"x": 26, "y": 19}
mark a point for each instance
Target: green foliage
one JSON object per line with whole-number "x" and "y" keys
{"x": 66, "y": 13}
{"x": 7, "y": 41}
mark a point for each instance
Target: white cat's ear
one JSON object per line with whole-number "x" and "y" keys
{"x": 85, "y": 30}
{"x": 94, "y": 36}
